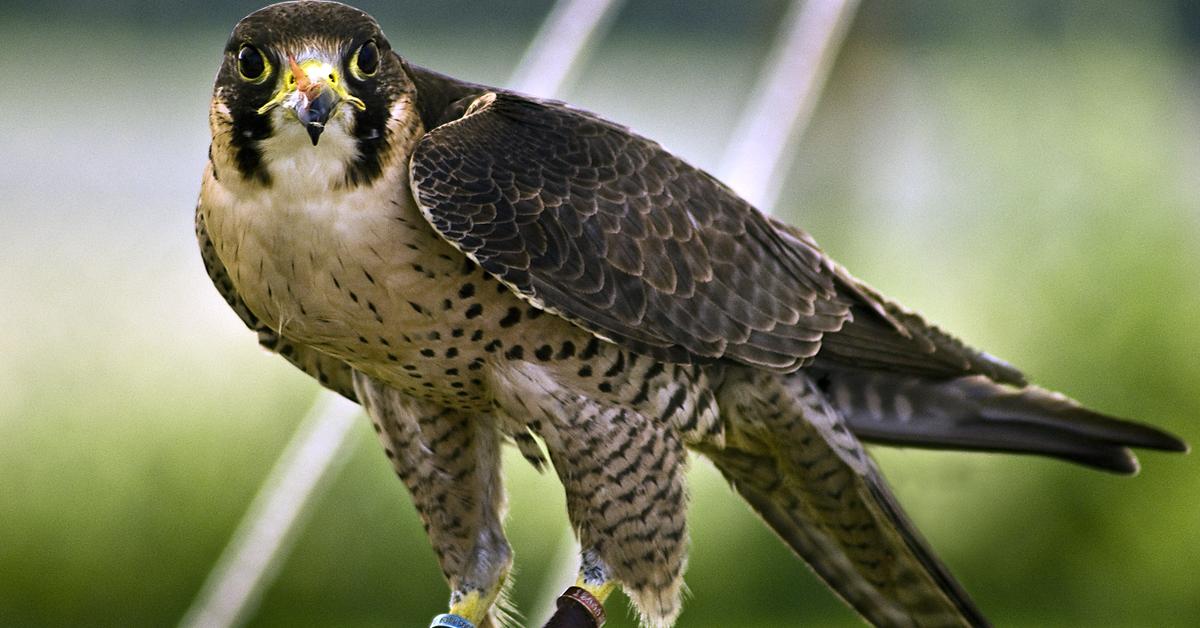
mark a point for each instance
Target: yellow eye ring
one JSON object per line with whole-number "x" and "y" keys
{"x": 365, "y": 62}
{"x": 252, "y": 64}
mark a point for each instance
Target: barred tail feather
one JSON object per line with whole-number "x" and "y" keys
{"x": 975, "y": 413}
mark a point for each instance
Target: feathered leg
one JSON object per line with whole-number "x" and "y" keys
{"x": 626, "y": 499}
{"x": 623, "y": 474}
{"x": 450, "y": 463}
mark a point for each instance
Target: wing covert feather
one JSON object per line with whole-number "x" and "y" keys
{"x": 586, "y": 219}
{"x": 608, "y": 229}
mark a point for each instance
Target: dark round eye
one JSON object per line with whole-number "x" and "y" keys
{"x": 366, "y": 59}
{"x": 251, "y": 64}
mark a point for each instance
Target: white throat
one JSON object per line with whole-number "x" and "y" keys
{"x": 296, "y": 166}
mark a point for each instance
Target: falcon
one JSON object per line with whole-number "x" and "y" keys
{"x": 478, "y": 267}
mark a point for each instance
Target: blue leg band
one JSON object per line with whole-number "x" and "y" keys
{"x": 446, "y": 620}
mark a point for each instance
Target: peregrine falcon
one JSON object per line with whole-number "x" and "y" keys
{"x": 478, "y": 267}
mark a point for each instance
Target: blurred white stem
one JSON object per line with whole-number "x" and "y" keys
{"x": 264, "y": 536}
{"x": 564, "y": 563}
{"x": 763, "y": 143}
{"x": 261, "y": 542}
{"x": 562, "y": 44}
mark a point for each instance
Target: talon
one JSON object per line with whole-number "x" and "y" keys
{"x": 447, "y": 620}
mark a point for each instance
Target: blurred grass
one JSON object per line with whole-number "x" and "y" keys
{"x": 1039, "y": 199}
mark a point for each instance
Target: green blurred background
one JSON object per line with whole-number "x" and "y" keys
{"x": 1025, "y": 173}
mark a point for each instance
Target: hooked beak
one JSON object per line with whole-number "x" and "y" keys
{"x": 312, "y": 92}
{"x": 313, "y": 113}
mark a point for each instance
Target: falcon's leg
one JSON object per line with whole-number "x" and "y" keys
{"x": 450, "y": 462}
{"x": 624, "y": 481}
{"x": 582, "y": 606}
{"x": 595, "y": 577}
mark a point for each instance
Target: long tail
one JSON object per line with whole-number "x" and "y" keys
{"x": 793, "y": 460}
{"x": 975, "y": 413}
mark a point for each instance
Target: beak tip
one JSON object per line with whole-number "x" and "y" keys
{"x": 314, "y": 132}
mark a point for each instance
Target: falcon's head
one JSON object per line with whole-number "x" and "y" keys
{"x": 310, "y": 93}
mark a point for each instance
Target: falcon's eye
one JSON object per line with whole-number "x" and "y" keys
{"x": 366, "y": 60}
{"x": 252, "y": 65}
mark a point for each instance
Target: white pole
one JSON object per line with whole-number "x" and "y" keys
{"x": 763, "y": 142}
{"x": 562, "y": 44}
{"x": 260, "y": 544}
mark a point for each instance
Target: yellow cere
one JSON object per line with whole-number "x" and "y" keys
{"x": 316, "y": 71}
